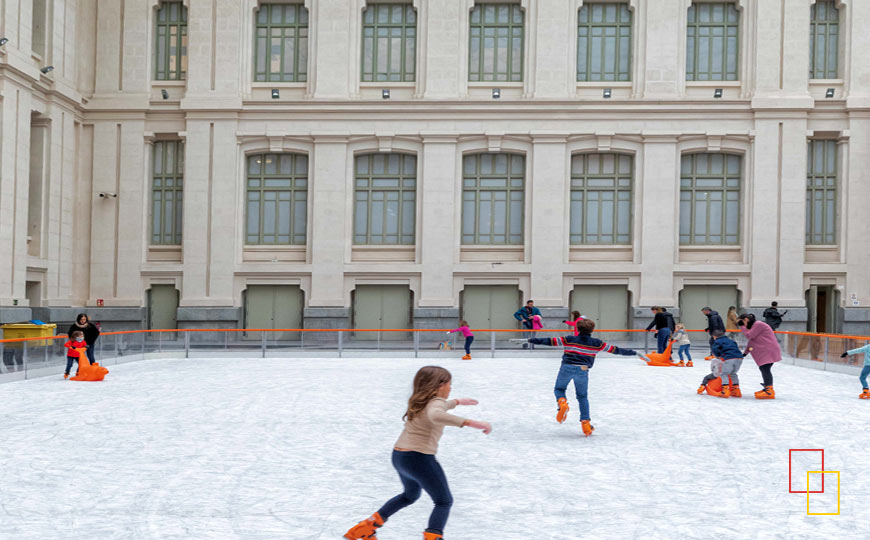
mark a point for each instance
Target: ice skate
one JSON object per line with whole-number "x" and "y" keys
{"x": 765, "y": 393}
{"x": 467, "y": 357}
{"x": 365, "y": 529}
{"x": 735, "y": 391}
{"x": 432, "y": 536}
{"x": 562, "y": 413}
{"x": 587, "y": 427}
{"x": 680, "y": 364}
{"x": 701, "y": 389}
{"x": 708, "y": 358}
{"x": 725, "y": 393}
{"x": 65, "y": 376}
{"x": 865, "y": 394}
{"x": 690, "y": 364}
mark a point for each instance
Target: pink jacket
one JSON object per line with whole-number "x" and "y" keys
{"x": 762, "y": 341}
{"x": 465, "y": 331}
{"x": 536, "y": 322}
{"x": 573, "y": 324}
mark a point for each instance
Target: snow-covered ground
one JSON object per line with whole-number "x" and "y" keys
{"x": 299, "y": 449}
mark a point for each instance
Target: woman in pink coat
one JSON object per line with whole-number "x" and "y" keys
{"x": 761, "y": 341}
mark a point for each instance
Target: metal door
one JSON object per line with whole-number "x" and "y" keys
{"x": 694, "y": 297}
{"x": 491, "y": 306}
{"x": 382, "y": 306}
{"x": 163, "y": 307}
{"x": 607, "y": 305}
{"x": 272, "y": 307}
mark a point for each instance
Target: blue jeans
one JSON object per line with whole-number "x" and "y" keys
{"x": 863, "y": 376}
{"x": 91, "y": 349}
{"x": 684, "y": 349}
{"x": 418, "y": 471}
{"x": 468, "y": 341}
{"x": 663, "y": 335}
{"x": 568, "y": 373}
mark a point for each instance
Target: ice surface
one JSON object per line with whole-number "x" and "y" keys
{"x": 299, "y": 449}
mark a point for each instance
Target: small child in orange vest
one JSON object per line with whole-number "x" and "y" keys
{"x": 76, "y": 349}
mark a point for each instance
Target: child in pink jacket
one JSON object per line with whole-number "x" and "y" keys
{"x": 572, "y": 322}
{"x": 469, "y": 337}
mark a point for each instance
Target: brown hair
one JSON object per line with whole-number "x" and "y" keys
{"x": 76, "y": 333}
{"x": 463, "y": 322}
{"x": 575, "y": 315}
{"x": 427, "y": 381}
{"x": 585, "y": 326}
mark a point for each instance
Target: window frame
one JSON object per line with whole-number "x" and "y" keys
{"x": 589, "y": 25}
{"x": 826, "y": 190}
{"x": 509, "y": 190}
{"x": 692, "y": 42}
{"x": 175, "y": 234}
{"x": 297, "y": 75}
{"x": 404, "y": 39}
{"x": 724, "y": 201}
{"x": 180, "y": 73}
{"x": 830, "y": 4}
{"x": 370, "y": 188}
{"x": 481, "y": 56}
{"x": 616, "y": 190}
{"x": 262, "y": 176}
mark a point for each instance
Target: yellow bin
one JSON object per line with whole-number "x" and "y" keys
{"x": 28, "y": 330}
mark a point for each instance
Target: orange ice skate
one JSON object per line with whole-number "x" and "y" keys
{"x": 562, "y": 413}
{"x": 587, "y": 427}
{"x": 765, "y": 393}
{"x": 432, "y": 536}
{"x": 865, "y": 394}
{"x": 365, "y": 529}
{"x": 735, "y": 391}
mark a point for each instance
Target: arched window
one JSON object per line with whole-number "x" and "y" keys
{"x": 601, "y": 187}
{"x": 385, "y": 198}
{"x": 710, "y": 187}
{"x": 493, "y": 186}
{"x": 277, "y": 198}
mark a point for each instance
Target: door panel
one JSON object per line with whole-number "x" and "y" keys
{"x": 607, "y": 305}
{"x": 694, "y": 297}
{"x": 273, "y": 306}
{"x": 163, "y": 307}
{"x": 491, "y": 306}
{"x": 382, "y": 306}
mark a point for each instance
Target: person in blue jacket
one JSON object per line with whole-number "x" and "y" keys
{"x": 865, "y": 371}
{"x": 578, "y": 358}
{"x": 727, "y": 351}
{"x": 524, "y": 315}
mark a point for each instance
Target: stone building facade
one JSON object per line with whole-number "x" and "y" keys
{"x": 737, "y": 161}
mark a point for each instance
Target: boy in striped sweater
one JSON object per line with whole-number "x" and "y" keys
{"x": 577, "y": 359}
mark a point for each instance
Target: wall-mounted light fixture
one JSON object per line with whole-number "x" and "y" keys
{"x": 607, "y": 93}
{"x": 717, "y": 93}
{"x": 496, "y": 93}
{"x": 275, "y": 93}
{"x": 46, "y": 69}
{"x": 385, "y": 93}
{"x": 829, "y": 93}
{"x": 3, "y": 41}
{"x": 164, "y": 93}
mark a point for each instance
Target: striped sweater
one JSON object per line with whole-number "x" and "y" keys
{"x": 580, "y": 350}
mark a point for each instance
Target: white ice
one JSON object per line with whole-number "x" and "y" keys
{"x": 299, "y": 449}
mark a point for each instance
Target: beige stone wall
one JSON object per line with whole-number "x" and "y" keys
{"x": 102, "y": 111}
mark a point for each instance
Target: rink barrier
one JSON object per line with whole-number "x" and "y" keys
{"x": 23, "y": 358}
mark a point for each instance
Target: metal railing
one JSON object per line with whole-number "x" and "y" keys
{"x": 34, "y": 357}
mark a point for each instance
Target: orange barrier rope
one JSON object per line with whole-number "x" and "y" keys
{"x": 361, "y": 330}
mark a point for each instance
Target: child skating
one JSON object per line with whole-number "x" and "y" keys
{"x": 577, "y": 359}
{"x": 572, "y": 322}
{"x": 681, "y": 336}
{"x": 865, "y": 371}
{"x": 76, "y": 350}
{"x": 414, "y": 454}
{"x": 469, "y": 338}
{"x": 725, "y": 364}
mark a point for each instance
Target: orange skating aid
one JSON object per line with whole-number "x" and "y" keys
{"x": 765, "y": 393}
{"x": 587, "y": 427}
{"x": 432, "y": 536}
{"x": 865, "y": 394}
{"x": 89, "y": 372}
{"x": 661, "y": 359}
{"x": 562, "y": 413}
{"x": 714, "y": 388}
{"x": 365, "y": 529}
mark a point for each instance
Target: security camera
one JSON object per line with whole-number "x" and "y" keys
{"x": 107, "y": 195}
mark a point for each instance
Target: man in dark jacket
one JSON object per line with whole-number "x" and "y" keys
{"x": 524, "y": 315}
{"x": 772, "y": 316}
{"x": 714, "y": 322}
{"x": 662, "y": 324}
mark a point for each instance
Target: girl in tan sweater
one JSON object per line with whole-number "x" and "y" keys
{"x": 414, "y": 454}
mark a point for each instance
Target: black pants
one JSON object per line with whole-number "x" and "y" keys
{"x": 468, "y": 341}
{"x": 766, "y": 375}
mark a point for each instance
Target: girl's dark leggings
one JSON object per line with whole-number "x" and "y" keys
{"x": 468, "y": 341}
{"x": 766, "y": 375}
{"x": 417, "y": 472}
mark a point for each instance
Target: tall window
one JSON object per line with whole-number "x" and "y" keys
{"x": 821, "y": 192}
{"x": 170, "y": 50}
{"x": 824, "y": 39}
{"x": 492, "y": 198}
{"x": 281, "y": 43}
{"x": 385, "y": 199}
{"x": 496, "y": 46}
{"x": 389, "y": 43}
{"x": 710, "y": 199}
{"x": 601, "y": 198}
{"x": 711, "y": 45}
{"x": 604, "y": 42}
{"x": 167, "y": 187}
{"x": 277, "y": 195}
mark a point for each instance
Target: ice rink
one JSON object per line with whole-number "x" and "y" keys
{"x": 299, "y": 449}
